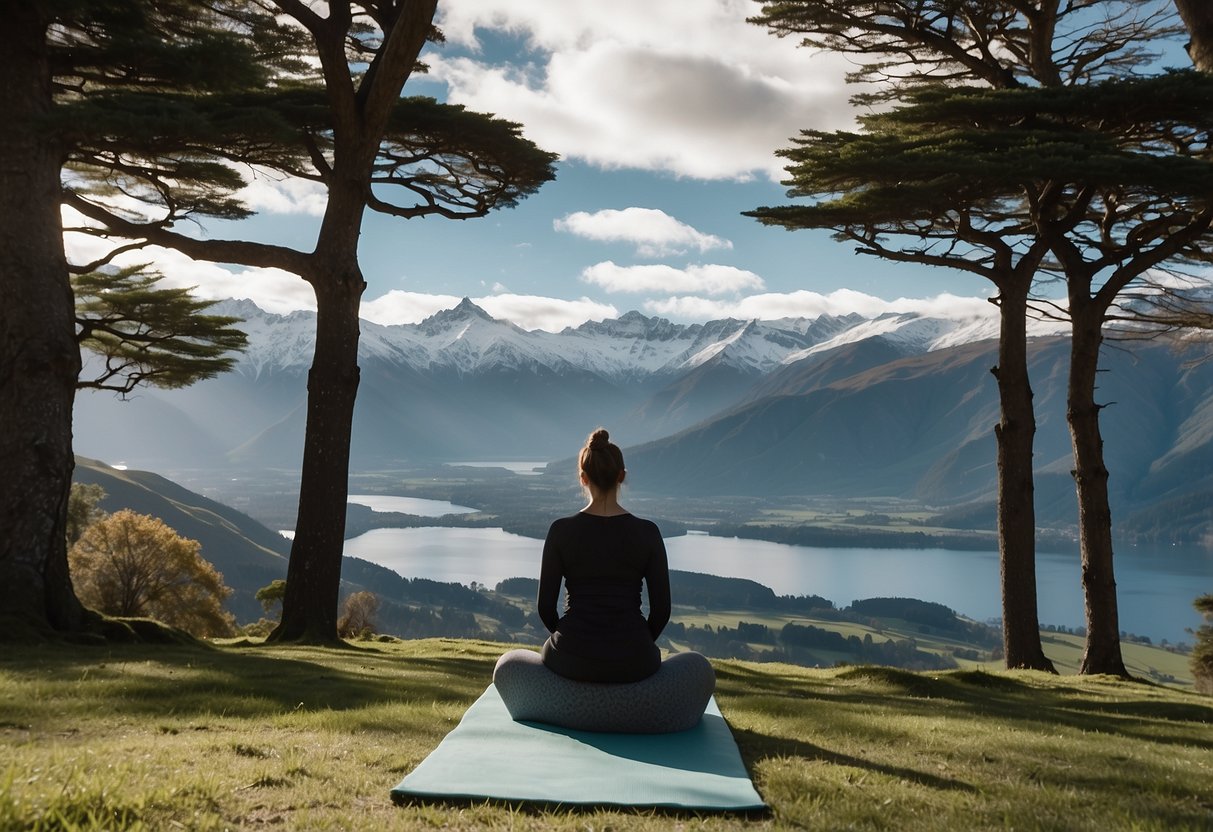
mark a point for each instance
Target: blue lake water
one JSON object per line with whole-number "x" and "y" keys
{"x": 1156, "y": 586}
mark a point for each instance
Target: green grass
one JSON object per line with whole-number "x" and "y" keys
{"x": 174, "y": 737}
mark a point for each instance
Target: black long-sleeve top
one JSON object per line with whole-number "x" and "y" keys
{"x": 603, "y": 561}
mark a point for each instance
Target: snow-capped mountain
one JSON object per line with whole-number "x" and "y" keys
{"x": 467, "y": 340}
{"x": 462, "y": 384}
{"x": 898, "y": 405}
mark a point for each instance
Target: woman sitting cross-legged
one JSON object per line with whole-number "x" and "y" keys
{"x": 600, "y": 669}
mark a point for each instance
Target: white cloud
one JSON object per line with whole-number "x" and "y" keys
{"x": 806, "y": 304}
{"x": 275, "y": 194}
{"x": 685, "y": 87}
{"x": 273, "y": 290}
{"x": 551, "y": 314}
{"x": 654, "y": 232}
{"x": 711, "y": 278}
{"x": 400, "y": 307}
{"x": 526, "y": 311}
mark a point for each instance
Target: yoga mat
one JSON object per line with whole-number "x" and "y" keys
{"x": 490, "y": 757}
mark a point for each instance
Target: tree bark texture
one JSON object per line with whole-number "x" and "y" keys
{"x": 1102, "y": 653}
{"x": 309, "y": 607}
{"x": 1198, "y": 17}
{"x": 39, "y": 360}
{"x": 1015, "y": 435}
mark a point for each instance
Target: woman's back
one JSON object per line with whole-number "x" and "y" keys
{"x": 603, "y": 562}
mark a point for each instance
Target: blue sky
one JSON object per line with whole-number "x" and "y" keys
{"x": 666, "y": 117}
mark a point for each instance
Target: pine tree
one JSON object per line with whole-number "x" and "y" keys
{"x": 55, "y": 58}
{"x": 145, "y": 334}
{"x": 347, "y": 127}
{"x": 990, "y": 181}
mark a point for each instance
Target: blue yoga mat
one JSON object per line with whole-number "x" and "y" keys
{"x": 490, "y": 757}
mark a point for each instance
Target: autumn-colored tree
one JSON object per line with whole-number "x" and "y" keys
{"x": 134, "y": 565}
{"x": 358, "y": 615}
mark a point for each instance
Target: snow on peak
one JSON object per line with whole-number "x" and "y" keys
{"x": 466, "y": 339}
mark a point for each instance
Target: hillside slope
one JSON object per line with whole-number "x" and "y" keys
{"x": 921, "y": 427}
{"x": 247, "y": 553}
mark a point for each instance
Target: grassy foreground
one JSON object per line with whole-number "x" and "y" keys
{"x": 170, "y": 737}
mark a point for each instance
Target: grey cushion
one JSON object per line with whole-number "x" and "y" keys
{"x": 672, "y": 699}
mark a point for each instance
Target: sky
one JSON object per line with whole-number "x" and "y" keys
{"x": 666, "y": 117}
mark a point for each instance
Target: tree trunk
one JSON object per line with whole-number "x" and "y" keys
{"x": 39, "y": 359}
{"x": 1198, "y": 17}
{"x": 1015, "y": 435}
{"x": 1102, "y": 653}
{"x": 309, "y": 607}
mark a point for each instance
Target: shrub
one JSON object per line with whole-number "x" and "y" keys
{"x": 358, "y": 615}
{"x": 134, "y": 566}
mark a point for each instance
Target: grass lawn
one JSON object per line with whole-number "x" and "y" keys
{"x": 170, "y": 737}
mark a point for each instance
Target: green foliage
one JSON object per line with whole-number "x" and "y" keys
{"x": 150, "y": 335}
{"x": 987, "y": 152}
{"x": 901, "y": 44}
{"x": 133, "y": 565}
{"x": 197, "y": 45}
{"x": 1202, "y": 651}
{"x": 518, "y": 587}
{"x": 83, "y": 509}
{"x": 134, "y": 88}
{"x": 271, "y": 595}
{"x": 909, "y": 609}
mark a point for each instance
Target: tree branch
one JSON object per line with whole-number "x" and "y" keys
{"x": 240, "y": 252}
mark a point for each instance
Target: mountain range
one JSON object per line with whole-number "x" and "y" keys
{"x": 899, "y": 405}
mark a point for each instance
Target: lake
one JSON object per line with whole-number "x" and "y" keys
{"x": 1156, "y": 586}
{"x": 416, "y": 506}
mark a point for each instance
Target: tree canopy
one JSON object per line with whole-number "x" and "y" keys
{"x": 147, "y": 334}
{"x": 146, "y": 116}
{"x": 1015, "y": 141}
{"x": 340, "y": 121}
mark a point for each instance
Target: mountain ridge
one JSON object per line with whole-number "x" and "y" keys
{"x": 897, "y": 405}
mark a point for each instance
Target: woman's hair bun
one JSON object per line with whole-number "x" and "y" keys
{"x": 601, "y": 461}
